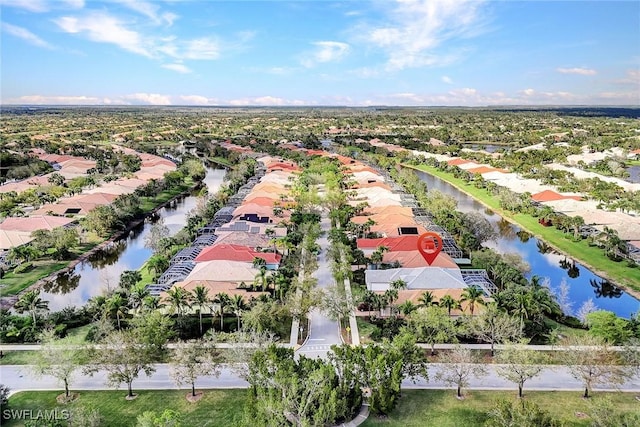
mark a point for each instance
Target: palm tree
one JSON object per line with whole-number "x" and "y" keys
{"x": 427, "y": 299}
{"x": 201, "y": 298}
{"x": 378, "y": 255}
{"x": 237, "y": 305}
{"x": 259, "y": 262}
{"x": 398, "y": 284}
{"x": 473, "y": 295}
{"x": 157, "y": 264}
{"x": 407, "y": 307}
{"x": 449, "y": 303}
{"x": 223, "y": 301}
{"x": 262, "y": 278}
{"x": 152, "y": 303}
{"x": 116, "y": 304}
{"x": 137, "y": 295}
{"x": 178, "y": 299}
{"x": 30, "y": 301}
{"x": 389, "y": 297}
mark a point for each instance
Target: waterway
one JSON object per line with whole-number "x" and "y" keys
{"x": 101, "y": 272}
{"x": 583, "y": 284}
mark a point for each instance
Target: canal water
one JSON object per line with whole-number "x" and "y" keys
{"x": 101, "y": 272}
{"x": 583, "y": 284}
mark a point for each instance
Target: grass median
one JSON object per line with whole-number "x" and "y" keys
{"x": 215, "y": 408}
{"x": 440, "y": 408}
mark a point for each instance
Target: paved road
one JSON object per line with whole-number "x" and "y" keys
{"x": 555, "y": 378}
{"x": 324, "y": 332}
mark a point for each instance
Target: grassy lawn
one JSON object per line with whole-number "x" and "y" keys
{"x": 440, "y": 408}
{"x": 14, "y": 283}
{"x": 216, "y": 408}
{"x": 221, "y": 161}
{"x": 590, "y": 256}
{"x": 24, "y": 357}
{"x": 365, "y": 329}
{"x": 150, "y": 203}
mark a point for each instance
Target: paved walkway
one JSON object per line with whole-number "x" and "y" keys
{"x": 324, "y": 332}
{"x": 552, "y": 378}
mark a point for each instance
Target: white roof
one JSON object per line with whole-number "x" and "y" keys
{"x": 416, "y": 278}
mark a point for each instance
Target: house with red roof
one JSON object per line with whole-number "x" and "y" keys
{"x": 239, "y": 253}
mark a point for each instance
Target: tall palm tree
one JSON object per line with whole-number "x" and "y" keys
{"x": 472, "y": 295}
{"x": 30, "y": 301}
{"x": 237, "y": 305}
{"x": 157, "y": 264}
{"x": 407, "y": 307}
{"x": 427, "y": 299}
{"x": 137, "y": 295}
{"x": 262, "y": 278}
{"x": 116, "y": 304}
{"x": 223, "y": 301}
{"x": 449, "y": 303}
{"x": 178, "y": 299}
{"x": 201, "y": 298}
{"x": 151, "y": 303}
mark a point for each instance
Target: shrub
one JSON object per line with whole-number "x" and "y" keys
{"x": 24, "y": 267}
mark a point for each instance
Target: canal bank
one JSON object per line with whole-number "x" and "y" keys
{"x": 547, "y": 264}
{"x": 100, "y": 268}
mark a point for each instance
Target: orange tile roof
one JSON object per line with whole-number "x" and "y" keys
{"x": 459, "y": 161}
{"x": 485, "y": 169}
{"x": 232, "y": 252}
{"x": 33, "y": 223}
{"x": 414, "y": 259}
{"x": 549, "y": 195}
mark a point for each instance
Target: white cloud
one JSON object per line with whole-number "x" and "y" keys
{"x": 418, "y": 27}
{"x": 266, "y": 101}
{"x": 74, "y": 4}
{"x": 104, "y": 28}
{"x": 577, "y": 70}
{"x": 150, "y": 10}
{"x": 30, "y": 5}
{"x": 528, "y": 92}
{"x": 203, "y": 48}
{"x": 25, "y": 35}
{"x": 194, "y": 99}
{"x": 326, "y": 51}
{"x": 148, "y": 98}
{"x": 180, "y": 68}
{"x": 632, "y": 78}
{"x": 53, "y": 100}
{"x": 447, "y": 80}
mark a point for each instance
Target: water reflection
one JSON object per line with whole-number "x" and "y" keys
{"x": 524, "y": 236}
{"x": 542, "y": 259}
{"x": 543, "y": 248}
{"x": 108, "y": 255}
{"x": 605, "y": 289}
{"x": 65, "y": 283}
{"x": 506, "y": 230}
{"x": 101, "y": 272}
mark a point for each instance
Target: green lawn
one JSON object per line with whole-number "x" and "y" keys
{"x": 221, "y": 161}
{"x": 23, "y": 357}
{"x": 365, "y": 329}
{"x": 13, "y": 283}
{"x": 216, "y": 408}
{"x": 590, "y": 256}
{"x": 440, "y": 408}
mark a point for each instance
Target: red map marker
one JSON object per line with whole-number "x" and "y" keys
{"x": 429, "y": 246}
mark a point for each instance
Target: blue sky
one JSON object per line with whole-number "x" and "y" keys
{"x": 314, "y": 52}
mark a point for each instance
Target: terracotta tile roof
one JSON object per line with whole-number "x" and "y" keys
{"x": 401, "y": 243}
{"x": 13, "y": 238}
{"x": 232, "y": 252}
{"x": 223, "y": 271}
{"x": 549, "y": 195}
{"x": 414, "y": 259}
{"x": 459, "y": 161}
{"x": 229, "y": 288}
{"x": 33, "y": 223}
{"x": 485, "y": 169}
